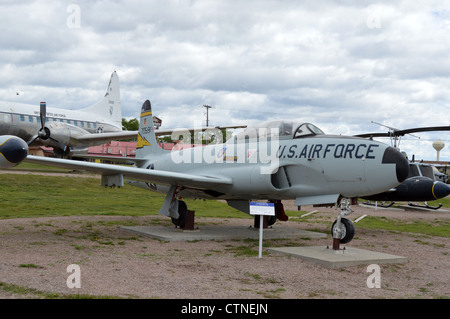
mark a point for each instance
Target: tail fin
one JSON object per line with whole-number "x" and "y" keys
{"x": 109, "y": 107}
{"x": 146, "y": 141}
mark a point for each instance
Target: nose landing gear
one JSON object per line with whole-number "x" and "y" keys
{"x": 342, "y": 229}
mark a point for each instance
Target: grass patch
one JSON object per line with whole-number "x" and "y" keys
{"x": 34, "y": 293}
{"x": 439, "y": 228}
{"x": 30, "y": 266}
{"x": 25, "y": 196}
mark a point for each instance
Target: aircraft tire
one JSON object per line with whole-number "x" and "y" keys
{"x": 182, "y": 211}
{"x": 348, "y": 230}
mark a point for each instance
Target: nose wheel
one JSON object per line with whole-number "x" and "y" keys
{"x": 342, "y": 229}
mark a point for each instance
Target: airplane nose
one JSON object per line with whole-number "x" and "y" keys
{"x": 440, "y": 190}
{"x": 392, "y": 156}
{"x": 14, "y": 149}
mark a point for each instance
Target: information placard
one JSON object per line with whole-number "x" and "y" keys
{"x": 261, "y": 209}
{"x": 257, "y": 208}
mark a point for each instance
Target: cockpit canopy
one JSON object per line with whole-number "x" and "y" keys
{"x": 281, "y": 129}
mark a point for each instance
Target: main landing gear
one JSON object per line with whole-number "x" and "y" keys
{"x": 343, "y": 229}
{"x": 182, "y": 214}
{"x": 186, "y": 218}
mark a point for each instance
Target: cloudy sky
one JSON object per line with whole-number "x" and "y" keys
{"x": 337, "y": 64}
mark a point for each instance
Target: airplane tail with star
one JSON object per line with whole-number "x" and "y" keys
{"x": 147, "y": 145}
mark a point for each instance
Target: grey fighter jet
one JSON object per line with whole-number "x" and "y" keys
{"x": 279, "y": 160}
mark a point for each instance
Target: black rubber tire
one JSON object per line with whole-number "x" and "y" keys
{"x": 349, "y": 230}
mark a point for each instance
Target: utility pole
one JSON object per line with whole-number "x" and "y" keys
{"x": 207, "y": 113}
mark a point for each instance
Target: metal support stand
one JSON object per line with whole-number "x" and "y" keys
{"x": 336, "y": 243}
{"x": 260, "y": 235}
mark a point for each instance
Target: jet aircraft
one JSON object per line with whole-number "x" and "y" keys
{"x": 279, "y": 160}
{"x": 64, "y": 129}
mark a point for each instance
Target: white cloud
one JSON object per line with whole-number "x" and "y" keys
{"x": 339, "y": 65}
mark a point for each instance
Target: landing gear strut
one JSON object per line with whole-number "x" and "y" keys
{"x": 343, "y": 229}
{"x": 182, "y": 213}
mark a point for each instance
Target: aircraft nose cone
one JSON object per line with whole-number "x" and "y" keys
{"x": 392, "y": 156}
{"x": 440, "y": 190}
{"x": 14, "y": 149}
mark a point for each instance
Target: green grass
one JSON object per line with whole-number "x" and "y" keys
{"x": 444, "y": 201}
{"x": 24, "y": 196}
{"x": 439, "y": 228}
{"x": 39, "y": 168}
{"x": 34, "y": 293}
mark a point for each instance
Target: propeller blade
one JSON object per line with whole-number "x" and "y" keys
{"x": 44, "y": 132}
{"x": 34, "y": 138}
{"x": 43, "y": 113}
{"x": 61, "y": 146}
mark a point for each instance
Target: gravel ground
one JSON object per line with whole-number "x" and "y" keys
{"x": 36, "y": 252}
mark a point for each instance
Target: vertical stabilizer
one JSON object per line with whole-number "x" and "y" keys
{"x": 147, "y": 144}
{"x": 109, "y": 107}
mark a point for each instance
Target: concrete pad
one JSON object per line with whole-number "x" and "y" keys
{"x": 220, "y": 232}
{"x": 340, "y": 258}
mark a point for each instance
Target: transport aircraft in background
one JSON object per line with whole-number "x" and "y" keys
{"x": 67, "y": 130}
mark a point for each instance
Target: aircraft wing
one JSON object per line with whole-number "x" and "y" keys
{"x": 170, "y": 131}
{"x": 124, "y": 135}
{"x": 146, "y": 175}
{"x": 106, "y": 137}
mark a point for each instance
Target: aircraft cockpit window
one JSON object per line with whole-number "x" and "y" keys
{"x": 280, "y": 129}
{"x": 307, "y": 129}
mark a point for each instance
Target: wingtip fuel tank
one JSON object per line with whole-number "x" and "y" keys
{"x": 13, "y": 150}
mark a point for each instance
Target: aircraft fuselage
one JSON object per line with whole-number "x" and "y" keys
{"x": 289, "y": 168}
{"x": 23, "y": 120}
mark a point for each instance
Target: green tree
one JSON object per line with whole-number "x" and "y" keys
{"x": 130, "y": 125}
